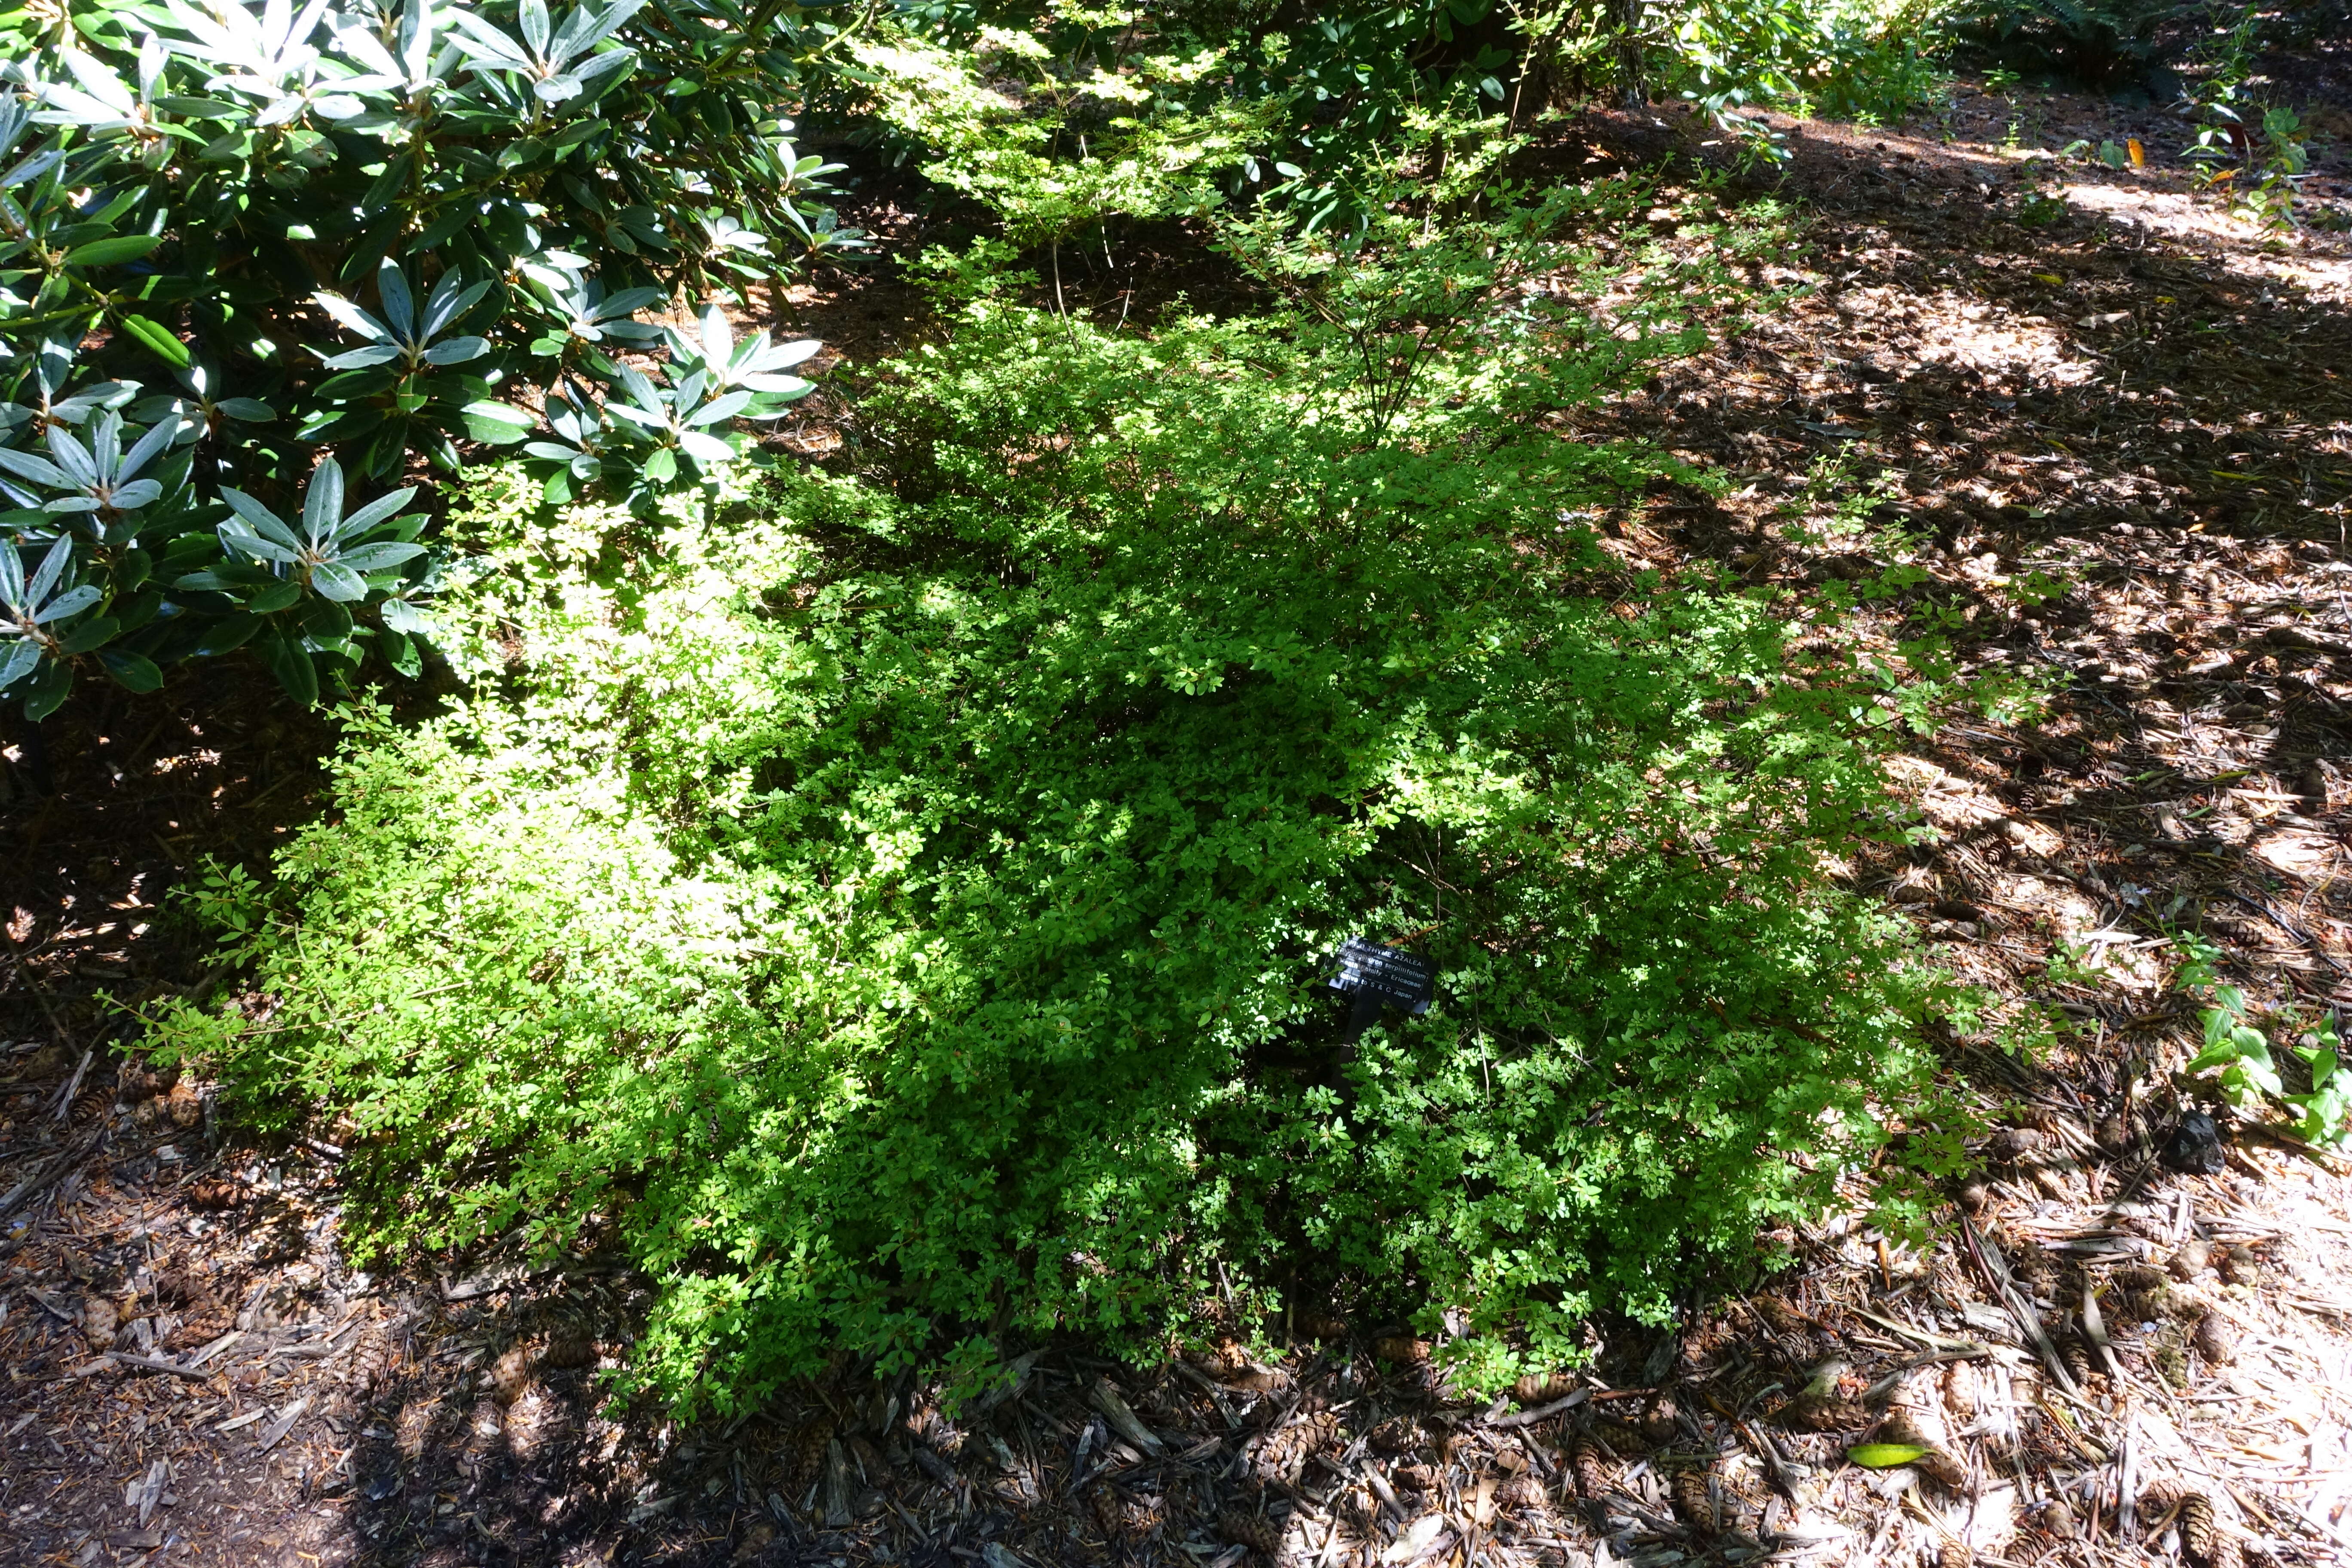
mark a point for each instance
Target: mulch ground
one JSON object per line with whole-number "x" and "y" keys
{"x": 2116, "y": 386}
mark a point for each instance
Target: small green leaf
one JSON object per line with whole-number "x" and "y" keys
{"x": 230, "y": 631}
{"x": 1885, "y": 1456}
{"x": 498, "y": 424}
{"x": 46, "y": 692}
{"x": 112, "y": 251}
{"x": 291, "y": 664}
{"x": 92, "y": 633}
{"x": 199, "y": 108}
{"x": 401, "y": 652}
{"x": 132, "y": 672}
{"x": 158, "y": 339}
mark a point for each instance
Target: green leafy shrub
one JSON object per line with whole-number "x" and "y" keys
{"x": 242, "y": 235}
{"x": 1068, "y": 117}
{"x": 1869, "y": 60}
{"x": 2103, "y": 43}
{"x": 2237, "y": 1052}
{"x": 898, "y": 911}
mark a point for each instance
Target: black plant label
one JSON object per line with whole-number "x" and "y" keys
{"x": 1369, "y": 972}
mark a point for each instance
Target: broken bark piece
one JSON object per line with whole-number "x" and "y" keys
{"x": 1122, "y": 1419}
{"x": 837, "y": 1498}
{"x": 275, "y": 1433}
{"x": 1995, "y": 1268}
{"x": 154, "y": 1363}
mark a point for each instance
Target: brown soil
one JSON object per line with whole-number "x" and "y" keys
{"x": 2145, "y": 401}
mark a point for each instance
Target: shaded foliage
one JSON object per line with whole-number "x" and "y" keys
{"x": 242, "y": 238}
{"x": 902, "y": 922}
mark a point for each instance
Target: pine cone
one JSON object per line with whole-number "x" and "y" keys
{"x": 1955, "y": 1555}
{"x": 1902, "y": 1427}
{"x": 757, "y": 1537}
{"x": 1110, "y": 1516}
{"x": 568, "y": 1346}
{"x": 1693, "y": 1500}
{"x": 1543, "y": 1390}
{"x": 2197, "y": 1530}
{"x": 213, "y": 1193}
{"x": 803, "y": 1459}
{"x": 1221, "y": 1358}
{"x": 1254, "y": 1531}
{"x": 510, "y": 1374}
{"x": 1283, "y": 1453}
{"x": 1944, "y": 1467}
{"x": 1322, "y": 1326}
{"x": 1622, "y": 1437}
{"x": 371, "y": 1358}
{"x": 2035, "y": 1268}
{"x": 2215, "y": 1341}
{"x": 484, "y": 1427}
{"x": 2016, "y": 1143}
{"x": 1117, "y": 1516}
{"x": 413, "y": 1432}
{"x": 1592, "y": 1472}
{"x": 1418, "y": 1477}
{"x": 1834, "y": 1413}
{"x": 1522, "y": 1494}
{"x": 136, "y": 1081}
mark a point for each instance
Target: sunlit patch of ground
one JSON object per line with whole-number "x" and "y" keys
{"x": 2205, "y": 219}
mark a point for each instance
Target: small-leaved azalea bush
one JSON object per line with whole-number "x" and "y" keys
{"x": 895, "y": 907}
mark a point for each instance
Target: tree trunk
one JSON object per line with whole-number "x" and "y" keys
{"x": 1632, "y": 87}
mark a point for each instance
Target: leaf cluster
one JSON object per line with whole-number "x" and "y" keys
{"x": 2237, "y": 1052}
{"x": 240, "y": 239}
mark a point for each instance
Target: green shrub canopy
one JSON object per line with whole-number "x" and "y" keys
{"x": 250, "y": 242}
{"x": 900, "y": 911}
